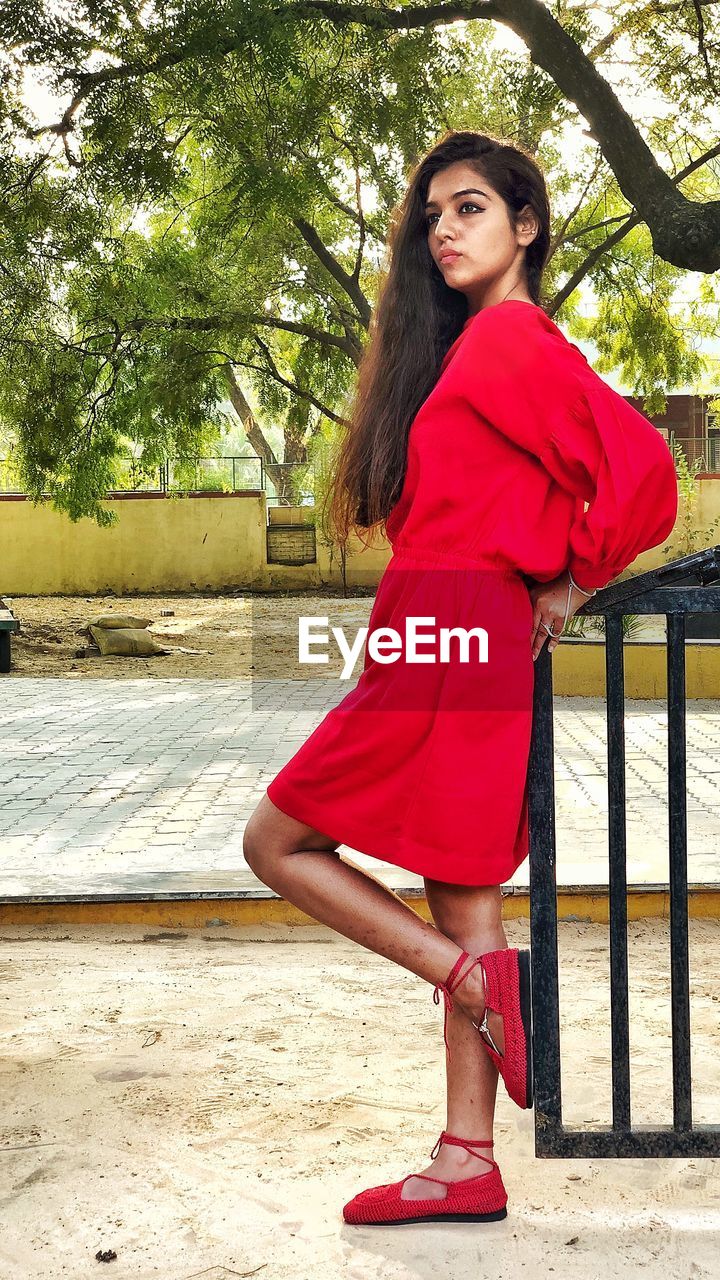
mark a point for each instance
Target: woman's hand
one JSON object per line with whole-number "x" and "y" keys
{"x": 549, "y": 600}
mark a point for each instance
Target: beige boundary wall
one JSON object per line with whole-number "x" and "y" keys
{"x": 159, "y": 544}
{"x": 190, "y": 543}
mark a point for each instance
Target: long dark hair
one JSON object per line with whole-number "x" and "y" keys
{"x": 417, "y": 318}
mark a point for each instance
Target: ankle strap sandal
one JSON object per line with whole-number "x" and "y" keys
{"x": 452, "y": 1141}
{"x": 451, "y": 983}
{"x": 506, "y": 983}
{"x": 480, "y": 1198}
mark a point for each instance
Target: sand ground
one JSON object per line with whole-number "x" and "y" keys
{"x": 232, "y": 630}
{"x": 204, "y": 1102}
{"x": 235, "y": 631}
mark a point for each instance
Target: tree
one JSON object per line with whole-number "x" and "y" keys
{"x": 206, "y": 217}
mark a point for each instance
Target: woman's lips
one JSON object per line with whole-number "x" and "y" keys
{"x": 449, "y": 257}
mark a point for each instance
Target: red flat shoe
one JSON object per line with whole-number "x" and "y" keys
{"x": 482, "y": 1198}
{"x": 506, "y": 981}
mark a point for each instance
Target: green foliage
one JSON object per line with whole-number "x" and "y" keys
{"x": 579, "y": 625}
{"x": 323, "y": 457}
{"x": 686, "y": 534}
{"x": 633, "y": 329}
{"x": 232, "y": 166}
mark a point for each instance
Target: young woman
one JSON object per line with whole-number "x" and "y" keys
{"x": 478, "y": 436}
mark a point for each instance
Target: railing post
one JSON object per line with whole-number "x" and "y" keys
{"x": 677, "y": 814}
{"x": 543, "y": 914}
{"x": 617, "y": 865}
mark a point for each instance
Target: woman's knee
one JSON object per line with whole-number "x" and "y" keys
{"x": 468, "y": 914}
{"x": 258, "y": 850}
{"x": 271, "y": 836}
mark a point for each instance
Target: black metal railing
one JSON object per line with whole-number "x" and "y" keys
{"x": 648, "y": 593}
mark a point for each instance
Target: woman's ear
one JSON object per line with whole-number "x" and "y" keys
{"x": 527, "y": 225}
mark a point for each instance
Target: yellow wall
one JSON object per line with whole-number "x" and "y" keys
{"x": 190, "y": 544}
{"x": 158, "y": 544}
{"x": 578, "y": 669}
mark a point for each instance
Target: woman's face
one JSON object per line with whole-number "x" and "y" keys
{"x": 468, "y": 219}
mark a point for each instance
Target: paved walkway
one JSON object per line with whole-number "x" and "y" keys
{"x": 140, "y": 786}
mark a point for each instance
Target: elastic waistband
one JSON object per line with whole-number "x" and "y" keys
{"x": 439, "y": 559}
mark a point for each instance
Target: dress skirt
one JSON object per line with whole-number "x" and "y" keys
{"x": 423, "y": 764}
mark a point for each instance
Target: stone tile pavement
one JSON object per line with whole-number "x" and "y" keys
{"x": 139, "y": 786}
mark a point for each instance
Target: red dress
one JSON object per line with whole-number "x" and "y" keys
{"x": 424, "y": 764}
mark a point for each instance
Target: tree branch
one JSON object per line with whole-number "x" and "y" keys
{"x": 633, "y": 221}
{"x": 253, "y": 430}
{"x": 208, "y": 42}
{"x": 295, "y": 387}
{"x": 635, "y": 19}
{"x": 684, "y": 232}
{"x": 207, "y": 324}
{"x": 348, "y": 282}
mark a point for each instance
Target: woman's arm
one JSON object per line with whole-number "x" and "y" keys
{"x": 523, "y": 378}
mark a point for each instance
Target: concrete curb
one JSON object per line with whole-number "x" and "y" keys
{"x": 581, "y": 903}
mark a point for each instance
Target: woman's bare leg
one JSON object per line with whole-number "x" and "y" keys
{"x": 472, "y": 917}
{"x": 301, "y": 865}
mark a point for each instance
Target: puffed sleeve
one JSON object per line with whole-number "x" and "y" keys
{"x": 523, "y": 377}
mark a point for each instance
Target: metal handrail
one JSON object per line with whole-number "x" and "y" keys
{"x": 646, "y": 593}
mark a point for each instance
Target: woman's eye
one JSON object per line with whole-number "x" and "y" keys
{"x": 466, "y": 204}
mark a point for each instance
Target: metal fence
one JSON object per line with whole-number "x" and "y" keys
{"x": 220, "y": 474}
{"x": 286, "y": 483}
{"x": 648, "y": 593}
{"x": 705, "y": 449}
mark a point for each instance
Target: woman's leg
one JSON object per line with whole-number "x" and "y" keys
{"x": 472, "y": 917}
{"x": 302, "y": 865}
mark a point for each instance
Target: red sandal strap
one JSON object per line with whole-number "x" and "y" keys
{"x": 467, "y": 1143}
{"x": 451, "y": 983}
{"x": 492, "y": 982}
{"x": 454, "y": 1141}
{"x": 426, "y": 1178}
